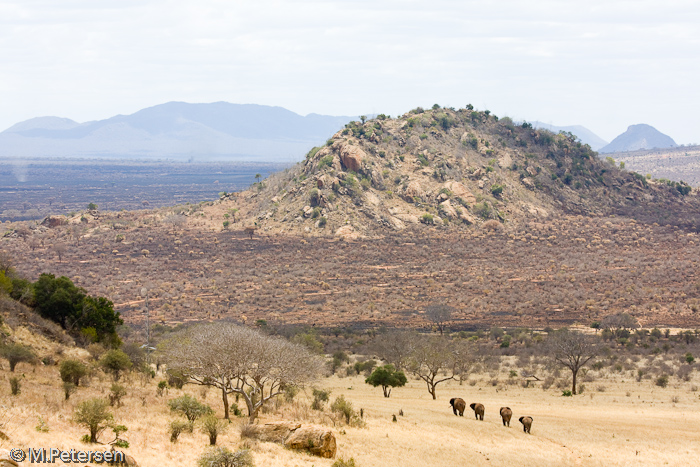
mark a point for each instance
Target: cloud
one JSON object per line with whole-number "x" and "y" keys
{"x": 602, "y": 64}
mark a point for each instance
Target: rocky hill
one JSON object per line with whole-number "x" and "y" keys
{"x": 450, "y": 169}
{"x": 639, "y": 137}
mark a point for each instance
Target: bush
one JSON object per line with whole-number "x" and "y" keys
{"x": 343, "y": 407}
{"x": 15, "y": 386}
{"x": 320, "y": 396}
{"x": 115, "y": 362}
{"x": 176, "y": 427}
{"x": 176, "y": 379}
{"x": 72, "y": 371}
{"x": 190, "y": 407}
{"x": 662, "y": 381}
{"x": 212, "y": 427}
{"x": 496, "y": 190}
{"x": 427, "y": 218}
{"x": 222, "y": 457}
{"x": 68, "y": 389}
{"x": 116, "y": 392}
{"x": 344, "y": 463}
{"x": 162, "y": 387}
{"x": 93, "y": 415}
{"x": 566, "y": 393}
{"x": 16, "y": 353}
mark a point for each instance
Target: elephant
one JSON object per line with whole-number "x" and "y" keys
{"x": 527, "y": 423}
{"x": 458, "y": 405}
{"x": 506, "y": 413}
{"x": 478, "y": 410}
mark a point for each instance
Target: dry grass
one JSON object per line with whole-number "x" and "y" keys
{"x": 630, "y": 423}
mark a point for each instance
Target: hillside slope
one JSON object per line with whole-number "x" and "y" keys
{"x": 449, "y": 168}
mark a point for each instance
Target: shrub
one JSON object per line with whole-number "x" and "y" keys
{"x": 497, "y": 190}
{"x": 162, "y": 387}
{"x": 72, "y": 371}
{"x": 322, "y": 221}
{"x": 16, "y": 353}
{"x": 176, "y": 427}
{"x": 212, "y": 427}
{"x": 176, "y": 379}
{"x": 93, "y": 415}
{"x": 68, "y": 389}
{"x": 116, "y": 392}
{"x": 427, "y": 218}
{"x": 341, "y": 462}
{"x": 662, "y": 381}
{"x": 566, "y": 393}
{"x": 190, "y": 407}
{"x": 115, "y": 361}
{"x": 15, "y": 386}
{"x": 223, "y": 457}
{"x": 343, "y": 407}
{"x": 320, "y": 396}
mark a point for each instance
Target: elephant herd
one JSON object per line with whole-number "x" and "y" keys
{"x": 458, "y": 407}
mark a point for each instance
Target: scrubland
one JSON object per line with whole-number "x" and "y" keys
{"x": 617, "y": 420}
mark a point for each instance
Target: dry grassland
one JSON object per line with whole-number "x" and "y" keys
{"x": 630, "y": 423}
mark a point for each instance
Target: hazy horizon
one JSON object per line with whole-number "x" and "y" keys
{"x": 602, "y": 65}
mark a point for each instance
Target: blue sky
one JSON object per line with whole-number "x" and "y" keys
{"x": 601, "y": 64}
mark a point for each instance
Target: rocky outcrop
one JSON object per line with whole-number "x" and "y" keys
{"x": 413, "y": 190}
{"x": 275, "y": 432}
{"x": 54, "y": 221}
{"x": 319, "y": 441}
{"x": 351, "y": 156}
{"x": 316, "y": 440}
{"x": 460, "y": 191}
{"x": 6, "y": 460}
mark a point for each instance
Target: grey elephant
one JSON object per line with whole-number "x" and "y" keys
{"x": 458, "y": 405}
{"x": 478, "y": 410}
{"x": 527, "y": 423}
{"x": 506, "y": 414}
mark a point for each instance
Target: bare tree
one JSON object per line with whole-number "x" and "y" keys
{"x": 439, "y": 315}
{"x": 6, "y": 262}
{"x": 619, "y": 322}
{"x": 241, "y": 361}
{"x": 395, "y": 347}
{"x": 433, "y": 361}
{"x": 572, "y": 350}
{"x": 60, "y": 250}
{"x": 466, "y": 355}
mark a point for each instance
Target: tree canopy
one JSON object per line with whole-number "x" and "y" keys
{"x": 242, "y": 361}
{"x": 387, "y": 377}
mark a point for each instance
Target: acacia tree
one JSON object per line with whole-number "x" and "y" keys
{"x": 619, "y": 322}
{"x": 433, "y": 361}
{"x": 572, "y": 350}
{"x": 239, "y": 360}
{"x": 440, "y": 315}
{"x": 387, "y": 377}
{"x": 396, "y": 347}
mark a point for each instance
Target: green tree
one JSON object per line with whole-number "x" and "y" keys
{"x": 16, "y": 353}
{"x": 115, "y": 361}
{"x": 57, "y": 298}
{"x": 93, "y": 415}
{"x": 92, "y": 207}
{"x": 387, "y": 377}
{"x": 72, "y": 371}
{"x": 258, "y": 177}
{"x": 190, "y": 407}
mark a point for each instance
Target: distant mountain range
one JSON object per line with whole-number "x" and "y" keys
{"x": 638, "y": 137}
{"x": 177, "y": 130}
{"x": 584, "y": 134}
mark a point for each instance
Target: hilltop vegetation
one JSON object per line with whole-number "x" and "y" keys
{"x": 453, "y": 168}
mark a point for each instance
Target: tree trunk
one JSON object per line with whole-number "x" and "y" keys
{"x": 224, "y": 396}
{"x": 573, "y": 384}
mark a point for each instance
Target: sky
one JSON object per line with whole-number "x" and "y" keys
{"x": 603, "y": 64}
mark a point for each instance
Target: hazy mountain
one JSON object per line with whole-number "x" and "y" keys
{"x": 639, "y": 137}
{"x": 177, "y": 130}
{"x": 584, "y": 134}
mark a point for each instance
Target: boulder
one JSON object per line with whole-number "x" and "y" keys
{"x": 409, "y": 218}
{"x": 460, "y": 191}
{"x": 464, "y": 215}
{"x": 396, "y": 223}
{"x": 347, "y": 231}
{"x": 275, "y": 432}
{"x": 413, "y": 190}
{"x": 446, "y": 210}
{"x": 54, "y": 221}
{"x": 351, "y": 156}
{"x": 317, "y": 440}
